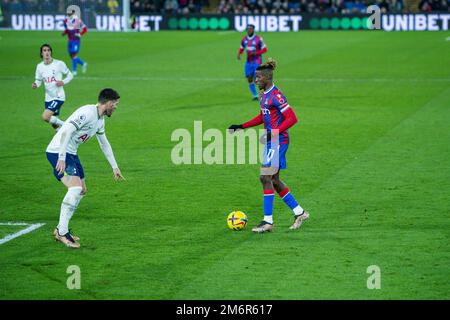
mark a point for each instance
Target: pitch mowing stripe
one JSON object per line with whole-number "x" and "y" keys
{"x": 208, "y": 79}
{"x": 12, "y": 236}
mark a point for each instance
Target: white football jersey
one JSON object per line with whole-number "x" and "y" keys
{"x": 50, "y": 73}
{"x": 87, "y": 124}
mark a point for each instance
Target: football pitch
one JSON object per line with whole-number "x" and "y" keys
{"x": 369, "y": 159}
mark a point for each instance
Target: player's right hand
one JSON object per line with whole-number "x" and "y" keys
{"x": 117, "y": 174}
{"x": 239, "y": 56}
{"x": 34, "y": 85}
{"x": 235, "y": 127}
{"x": 60, "y": 166}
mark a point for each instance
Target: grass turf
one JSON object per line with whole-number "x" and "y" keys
{"x": 369, "y": 159}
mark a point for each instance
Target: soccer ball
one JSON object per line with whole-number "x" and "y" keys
{"x": 237, "y": 220}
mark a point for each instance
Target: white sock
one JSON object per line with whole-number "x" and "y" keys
{"x": 298, "y": 210}
{"x": 68, "y": 207}
{"x": 79, "y": 199}
{"x": 268, "y": 219}
{"x": 56, "y": 120}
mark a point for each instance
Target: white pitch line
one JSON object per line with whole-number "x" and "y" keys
{"x": 209, "y": 79}
{"x": 12, "y": 236}
{"x": 14, "y": 224}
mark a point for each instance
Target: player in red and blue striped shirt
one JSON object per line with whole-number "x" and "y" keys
{"x": 277, "y": 116}
{"x": 255, "y": 47}
{"x": 74, "y": 28}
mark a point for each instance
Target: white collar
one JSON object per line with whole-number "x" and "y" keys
{"x": 251, "y": 38}
{"x": 273, "y": 85}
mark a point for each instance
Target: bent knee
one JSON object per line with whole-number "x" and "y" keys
{"x": 265, "y": 179}
{"x": 277, "y": 183}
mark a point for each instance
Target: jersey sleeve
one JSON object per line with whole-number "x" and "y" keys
{"x": 280, "y": 102}
{"x": 261, "y": 43}
{"x": 65, "y": 71}
{"x": 80, "y": 118}
{"x": 63, "y": 68}
{"x": 243, "y": 44}
{"x": 101, "y": 130}
{"x": 38, "y": 77}
{"x": 83, "y": 27}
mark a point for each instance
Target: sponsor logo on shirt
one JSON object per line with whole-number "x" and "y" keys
{"x": 80, "y": 120}
{"x": 50, "y": 79}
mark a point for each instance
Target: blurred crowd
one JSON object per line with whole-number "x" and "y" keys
{"x": 223, "y": 6}
{"x": 434, "y": 5}
{"x": 169, "y": 6}
{"x": 298, "y": 6}
{"x": 106, "y": 6}
{"x": 322, "y": 6}
{"x": 59, "y": 6}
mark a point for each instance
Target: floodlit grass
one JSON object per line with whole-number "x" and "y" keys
{"x": 369, "y": 159}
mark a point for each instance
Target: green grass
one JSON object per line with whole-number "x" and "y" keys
{"x": 370, "y": 160}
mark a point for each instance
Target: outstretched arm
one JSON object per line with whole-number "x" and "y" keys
{"x": 252, "y": 123}
{"x": 256, "y": 121}
{"x": 107, "y": 151}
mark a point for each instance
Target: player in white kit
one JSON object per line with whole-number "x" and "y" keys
{"x": 84, "y": 123}
{"x": 51, "y": 71}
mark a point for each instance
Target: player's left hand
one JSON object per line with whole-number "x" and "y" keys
{"x": 234, "y": 127}
{"x": 60, "y": 166}
{"x": 59, "y": 83}
{"x": 118, "y": 175}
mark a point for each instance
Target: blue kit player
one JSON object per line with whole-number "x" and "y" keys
{"x": 74, "y": 28}
{"x": 255, "y": 47}
{"x": 277, "y": 116}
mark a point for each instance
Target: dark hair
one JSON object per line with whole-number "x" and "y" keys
{"x": 269, "y": 65}
{"x": 267, "y": 68}
{"x": 108, "y": 94}
{"x": 45, "y": 45}
{"x": 251, "y": 25}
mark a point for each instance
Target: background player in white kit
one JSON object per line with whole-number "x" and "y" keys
{"x": 51, "y": 72}
{"x": 85, "y": 122}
